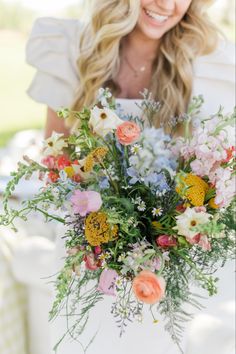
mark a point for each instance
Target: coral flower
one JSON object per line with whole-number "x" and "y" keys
{"x": 127, "y": 133}
{"x": 62, "y": 162}
{"x": 53, "y": 176}
{"x": 148, "y": 287}
{"x": 230, "y": 154}
{"x": 85, "y": 202}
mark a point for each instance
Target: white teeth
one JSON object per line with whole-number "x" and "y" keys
{"x": 155, "y": 16}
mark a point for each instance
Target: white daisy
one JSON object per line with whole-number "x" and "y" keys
{"x": 54, "y": 145}
{"x": 157, "y": 211}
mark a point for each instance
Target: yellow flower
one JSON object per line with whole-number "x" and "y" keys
{"x": 212, "y": 204}
{"x": 192, "y": 188}
{"x": 69, "y": 171}
{"x": 99, "y": 153}
{"x": 98, "y": 230}
{"x": 157, "y": 225}
{"x": 95, "y": 156}
{"x": 89, "y": 163}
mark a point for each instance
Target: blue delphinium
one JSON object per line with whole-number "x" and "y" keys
{"x": 151, "y": 158}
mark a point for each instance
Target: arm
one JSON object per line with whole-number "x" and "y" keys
{"x": 53, "y": 123}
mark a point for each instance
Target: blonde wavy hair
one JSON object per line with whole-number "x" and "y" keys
{"x": 100, "y": 43}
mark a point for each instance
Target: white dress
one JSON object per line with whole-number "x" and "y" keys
{"x": 53, "y": 50}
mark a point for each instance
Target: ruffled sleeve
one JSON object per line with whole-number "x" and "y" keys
{"x": 52, "y": 49}
{"x": 214, "y": 78}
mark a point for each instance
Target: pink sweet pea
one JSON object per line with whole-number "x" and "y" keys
{"x": 50, "y": 162}
{"x": 166, "y": 241}
{"x": 200, "y": 240}
{"x": 107, "y": 282}
{"x": 85, "y": 202}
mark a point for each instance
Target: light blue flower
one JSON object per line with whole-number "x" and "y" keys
{"x": 104, "y": 183}
{"x": 134, "y": 174}
{"x": 161, "y": 183}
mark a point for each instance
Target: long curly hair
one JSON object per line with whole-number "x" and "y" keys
{"x": 172, "y": 78}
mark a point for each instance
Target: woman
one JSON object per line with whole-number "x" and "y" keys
{"x": 167, "y": 46}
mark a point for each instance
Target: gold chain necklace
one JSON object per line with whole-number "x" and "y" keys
{"x": 136, "y": 72}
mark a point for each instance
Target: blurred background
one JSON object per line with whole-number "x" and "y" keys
{"x": 18, "y": 111}
{"x": 26, "y": 257}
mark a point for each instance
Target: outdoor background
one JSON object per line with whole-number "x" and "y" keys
{"x": 17, "y": 110}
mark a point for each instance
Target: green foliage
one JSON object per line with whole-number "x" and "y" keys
{"x": 26, "y": 170}
{"x": 75, "y": 299}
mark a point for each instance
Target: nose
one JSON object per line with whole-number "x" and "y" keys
{"x": 166, "y": 5}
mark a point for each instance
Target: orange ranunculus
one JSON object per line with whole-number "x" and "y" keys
{"x": 127, "y": 133}
{"x": 148, "y": 287}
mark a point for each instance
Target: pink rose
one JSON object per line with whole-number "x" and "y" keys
{"x": 166, "y": 241}
{"x": 107, "y": 282}
{"x": 85, "y": 202}
{"x": 127, "y": 133}
{"x": 148, "y": 287}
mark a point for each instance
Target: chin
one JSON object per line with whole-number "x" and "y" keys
{"x": 150, "y": 33}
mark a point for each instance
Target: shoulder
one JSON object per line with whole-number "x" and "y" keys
{"x": 53, "y": 49}
{"x": 218, "y": 65}
{"x": 51, "y": 38}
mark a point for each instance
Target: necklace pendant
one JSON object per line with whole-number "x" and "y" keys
{"x": 142, "y": 69}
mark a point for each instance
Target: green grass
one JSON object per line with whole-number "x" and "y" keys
{"x": 17, "y": 110}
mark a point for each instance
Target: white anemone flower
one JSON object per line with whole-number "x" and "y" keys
{"x": 103, "y": 121}
{"x": 189, "y": 220}
{"x": 54, "y": 145}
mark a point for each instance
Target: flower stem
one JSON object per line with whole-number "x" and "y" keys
{"x": 114, "y": 185}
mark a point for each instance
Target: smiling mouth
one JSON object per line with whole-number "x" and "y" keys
{"x": 158, "y": 18}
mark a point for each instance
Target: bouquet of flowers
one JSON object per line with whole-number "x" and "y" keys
{"x": 146, "y": 214}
